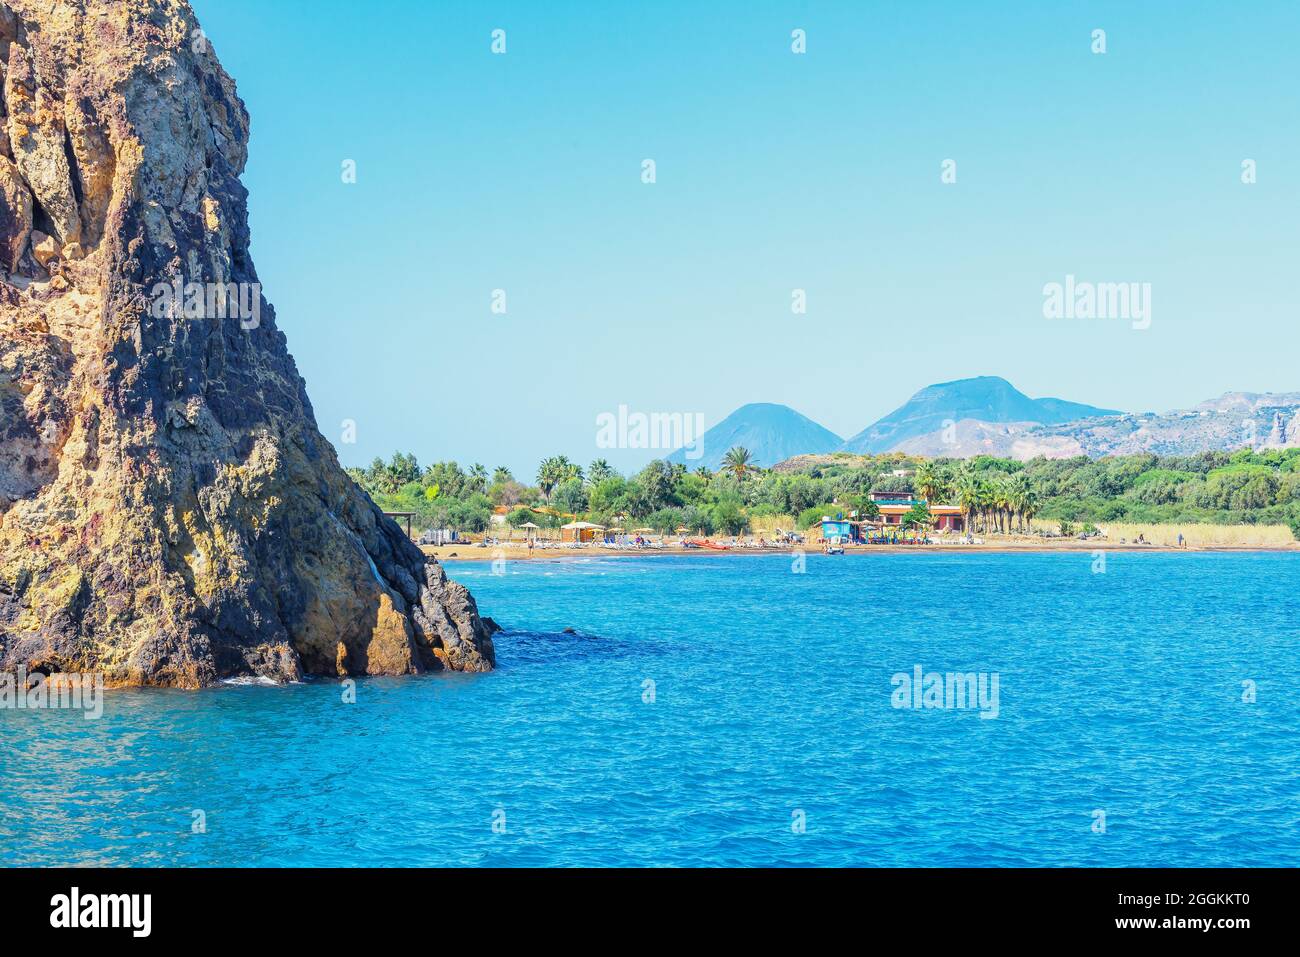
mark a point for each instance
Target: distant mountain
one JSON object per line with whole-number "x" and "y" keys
{"x": 989, "y": 416}
{"x": 986, "y": 400}
{"x": 771, "y": 433}
{"x": 969, "y": 437}
{"x": 1248, "y": 402}
{"x": 1233, "y": 421}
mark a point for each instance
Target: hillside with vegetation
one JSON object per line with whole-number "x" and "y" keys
{"x": 996, "y": 494}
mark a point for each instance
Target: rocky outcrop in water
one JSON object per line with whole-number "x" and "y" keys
{"x": 169, "y": 512}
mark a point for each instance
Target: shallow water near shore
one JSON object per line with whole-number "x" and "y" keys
{"x": 1119, "y": 692}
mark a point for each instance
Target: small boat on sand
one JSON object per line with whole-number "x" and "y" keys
{"x": 705, "y": 543}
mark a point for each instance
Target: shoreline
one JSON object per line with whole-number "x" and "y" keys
{"x": 515, "y": 552}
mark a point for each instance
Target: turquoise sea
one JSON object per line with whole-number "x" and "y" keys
{"x": 730, "y": 710}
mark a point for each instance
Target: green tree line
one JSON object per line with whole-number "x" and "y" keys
{"x": 995, "y": 494}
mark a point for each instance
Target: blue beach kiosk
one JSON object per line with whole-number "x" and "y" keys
{"x": 841, "y": 528}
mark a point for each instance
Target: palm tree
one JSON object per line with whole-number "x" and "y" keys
{"x": 1002, "y": 502}
{"x": 927, "y": 482}
{"x": 478, "y": 477}
{"x": 1029, "y": 504}
{"x": 599, "y": 471}
{"x": 968, "y": 496}
{"x": 549, "y": 475}
{"x": 555, "y": 471}
{"x": 501, "y": 474}
{"x": 568, "y": 470}
{"x": 987, "y": 498}
{"x": 739, "y": 462}
{"x": 1019, "y": 497}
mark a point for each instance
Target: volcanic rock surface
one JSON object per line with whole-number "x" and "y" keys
{"x": 169, "y": 512}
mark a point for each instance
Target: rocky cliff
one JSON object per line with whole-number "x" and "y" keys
{"x": 169, "y": 512}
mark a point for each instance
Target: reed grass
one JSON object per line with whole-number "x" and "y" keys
{"x": 1195, "y": 534}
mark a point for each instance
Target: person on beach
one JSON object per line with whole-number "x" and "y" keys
{"x": 1180, "y": 540}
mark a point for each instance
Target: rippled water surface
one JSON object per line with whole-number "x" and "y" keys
{"x": 1120, "y": 692}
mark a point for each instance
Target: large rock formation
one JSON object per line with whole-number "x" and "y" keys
{"x": 169, "y": 513}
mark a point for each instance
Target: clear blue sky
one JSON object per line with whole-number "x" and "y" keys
{"x": 775, "y": 171}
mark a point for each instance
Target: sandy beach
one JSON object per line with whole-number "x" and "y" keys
{"x": 517, "y": 551}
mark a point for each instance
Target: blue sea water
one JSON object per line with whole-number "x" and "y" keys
{"x": 1119, "y": 692}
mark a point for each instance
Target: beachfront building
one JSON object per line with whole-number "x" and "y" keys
{"x": 580, "y": 531}
{"x": 947, "y": 518}
{"x": 893, "y": 498}
{"x": 893, "y": 507}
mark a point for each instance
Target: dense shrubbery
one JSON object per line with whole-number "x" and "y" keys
{"x": 1244, "y": 487}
